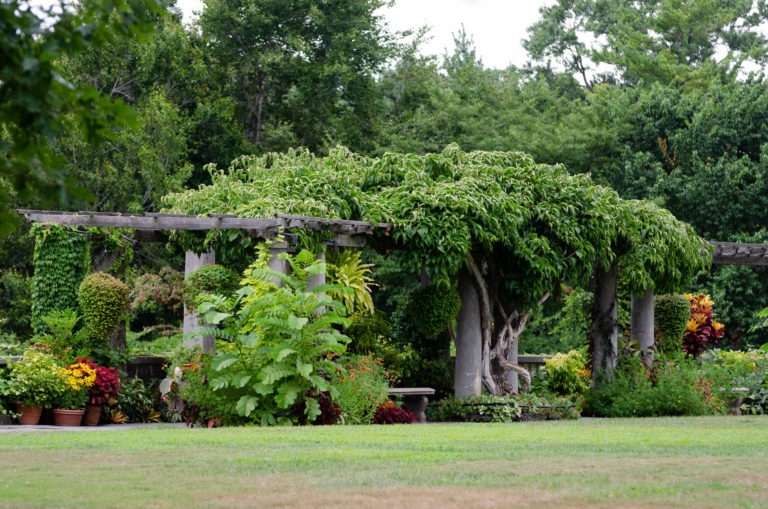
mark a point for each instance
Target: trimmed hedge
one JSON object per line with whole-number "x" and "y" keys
{"x": 102, "y": 299}
{"x": 671, "y": 315}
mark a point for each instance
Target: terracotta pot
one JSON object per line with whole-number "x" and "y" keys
{"x": 67, "y": 417}
{"x": 92, "y": 414}
{"x": 29, "y": 415}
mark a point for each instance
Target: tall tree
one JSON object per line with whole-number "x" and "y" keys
{"x": 37, "y": 104}
{"x": 687, "y": 43}
{"x": 301, "y": 72}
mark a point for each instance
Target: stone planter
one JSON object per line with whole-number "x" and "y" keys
{"x": 67, "y": 417}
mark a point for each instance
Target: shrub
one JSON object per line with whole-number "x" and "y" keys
{"x": 547, "y": 407}
{"x": 664, "y": 389}
{"x": 702, "y": 331}
{"x": 366, "y": 333}
{"x": 448, "y": 409}
{"x": 35, "y": 379}
{"x": 489, "y": 408}
{"x": 739, "y": 363}
{"x": 345, "y": 269}
{"x": 433, "y": 309}
{"x": 103, "y": 299}
{"x": 16, "y": 303}
{"x": 285, "y": 342}
{"x": 567, "y": 373}
{"x": 389, "y": 413}
{"x": 157, "y": 298}
{"x": 137, "y": 403}
{"x": 362, "y": 386}
{"x": 671, "y": 314}
{"x": 209, "y": 279}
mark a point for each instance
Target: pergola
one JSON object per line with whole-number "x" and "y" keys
{"x": 153, "y": 227}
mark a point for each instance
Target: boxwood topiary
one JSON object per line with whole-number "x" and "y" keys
{"x": 102, "y": 299}
{"x": 433, "y": 308}
{"x": 209, "y": 279}
{"x": 671, "y": 315}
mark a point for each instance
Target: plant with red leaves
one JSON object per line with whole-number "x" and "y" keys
{"x": 389, "y": 413}
{"x": 702, "y": 331}
{"x": 104, "y": 389}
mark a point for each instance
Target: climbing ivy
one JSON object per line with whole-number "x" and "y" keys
{"x": 61, "y": 260}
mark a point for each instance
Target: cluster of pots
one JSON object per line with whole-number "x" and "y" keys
{"x": 33, "y": 415}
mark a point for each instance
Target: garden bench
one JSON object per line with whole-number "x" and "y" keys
{"x": 415, "y": 400}
{"x": 741, "y": 391}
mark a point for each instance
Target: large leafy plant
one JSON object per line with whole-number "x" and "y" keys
{"x": 284, "y": 341}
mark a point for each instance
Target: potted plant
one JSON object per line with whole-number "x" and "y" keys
{"x": 35, "y": 380}
{"x": 102, "y": 392}
{"x": 7, "y": 395}
{"x": 76, "y": 381}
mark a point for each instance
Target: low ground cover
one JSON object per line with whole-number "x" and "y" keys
{"x": 702, "y": 462}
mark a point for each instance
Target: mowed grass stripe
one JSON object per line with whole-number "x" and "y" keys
{"x": 703, "y": 462}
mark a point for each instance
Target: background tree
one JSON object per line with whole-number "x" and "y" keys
{"x": 37, "y": 104}
{"x": 673, "y": 42}
{"x": 299, "y": 72}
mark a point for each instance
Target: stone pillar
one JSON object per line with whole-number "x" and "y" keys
{"x": 192, "y": 262}
{"x": 316, "y": 280}
{"x": 642, "y": 319}
{"x": 605, "y": 328}
{"x": 275, "y": 263}
{"x": 469, "y": 343}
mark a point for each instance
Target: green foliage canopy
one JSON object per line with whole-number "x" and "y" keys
{"x": 545, "y": 224}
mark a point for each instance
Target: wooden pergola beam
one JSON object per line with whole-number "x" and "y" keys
{"x": 737, "y": 253}
{"x": 151, "y": 227}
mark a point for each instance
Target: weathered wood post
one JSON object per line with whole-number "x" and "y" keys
{"x": 192, "y": 321}
{"x": 605, "y": 328}
{"x": 469, "y": 344}
{"x": 642, "y": 319}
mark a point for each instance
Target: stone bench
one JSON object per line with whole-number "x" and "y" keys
{"x": 415, "y": 400}
{"x": 741, "y": 391}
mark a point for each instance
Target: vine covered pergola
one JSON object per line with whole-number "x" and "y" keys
{"x": 507, "y": 231}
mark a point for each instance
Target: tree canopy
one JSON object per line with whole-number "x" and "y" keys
{"x": 548, "y": 225}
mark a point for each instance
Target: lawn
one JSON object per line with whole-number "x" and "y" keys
{"x": 702, "y": 462}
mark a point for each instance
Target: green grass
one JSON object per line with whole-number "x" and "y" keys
{"x": 702, "y": 462}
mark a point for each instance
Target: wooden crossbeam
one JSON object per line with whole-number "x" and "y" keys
{"x": 152, "y": 226}
{"x": 736, "y": 253}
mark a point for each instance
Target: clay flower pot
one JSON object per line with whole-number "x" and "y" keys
{"x": 92, "y": 414}
{"x": 29, "y": 415}
{"x": 67, "y": 417}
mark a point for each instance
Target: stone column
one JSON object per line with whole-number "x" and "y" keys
{"x": 316, "y": 280}
{"x": 469, "y": 343}
{"x": 642, "y": 319}
{"x": 192, "y": 262}
{"x": 605, "y": 328}
{"x": 275, "y": 263}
